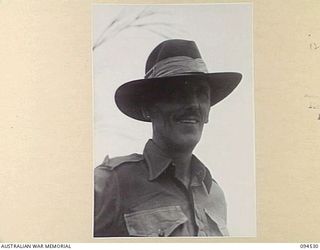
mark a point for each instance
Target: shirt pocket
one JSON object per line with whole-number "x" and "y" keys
{"x": 155, "y": 222}
{"x": 218, "y": 221}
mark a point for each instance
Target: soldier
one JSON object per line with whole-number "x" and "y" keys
{"x": 166, "y": 191}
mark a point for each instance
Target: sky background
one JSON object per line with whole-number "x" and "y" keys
{"x": 223, "y": 33}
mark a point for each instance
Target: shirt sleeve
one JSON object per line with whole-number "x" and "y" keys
{"x": 106, "y": 202}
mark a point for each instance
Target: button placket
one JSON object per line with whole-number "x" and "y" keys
{"x": 197, "y": 212}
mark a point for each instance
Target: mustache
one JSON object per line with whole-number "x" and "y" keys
{"x": 189, "y": 113}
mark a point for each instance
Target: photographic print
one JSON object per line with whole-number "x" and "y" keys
{"x": 173, "y": 121}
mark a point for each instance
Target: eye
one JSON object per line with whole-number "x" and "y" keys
{"x": 202, "y": 91}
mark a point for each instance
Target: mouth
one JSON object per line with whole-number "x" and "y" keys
{"x": 189, "y": 121}
{"x": 185, "y": 119}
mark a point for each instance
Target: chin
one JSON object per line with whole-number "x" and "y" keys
{"x": 186, "y": 142}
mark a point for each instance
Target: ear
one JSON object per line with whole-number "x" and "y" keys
{"x": 206, "y": 116}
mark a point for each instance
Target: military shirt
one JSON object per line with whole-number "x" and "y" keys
{"x": 142, "y": 195}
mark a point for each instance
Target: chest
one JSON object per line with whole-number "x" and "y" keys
{"x": 165, "y": 207}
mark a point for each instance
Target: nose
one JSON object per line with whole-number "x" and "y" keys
{"x": 190, "y": 98}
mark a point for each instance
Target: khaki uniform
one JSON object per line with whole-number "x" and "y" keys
{"x": 142, "y": 195}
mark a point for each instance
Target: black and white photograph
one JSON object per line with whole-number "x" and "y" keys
{"x": 174, "y": 138}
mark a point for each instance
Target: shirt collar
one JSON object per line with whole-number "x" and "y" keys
{"x": 158, "y": 162}
{"x": 202, "y": 173}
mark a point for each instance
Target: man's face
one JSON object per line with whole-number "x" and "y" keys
{"x": 179, "y": 115}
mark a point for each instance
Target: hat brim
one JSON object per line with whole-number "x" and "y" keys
{"x": 130, "y": 97}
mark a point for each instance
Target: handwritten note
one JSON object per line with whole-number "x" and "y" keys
{"x": 313, "y": 44}
{"x": 313, "y": 103}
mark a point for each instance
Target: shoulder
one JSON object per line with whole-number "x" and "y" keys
{"x": 217, "y": 191}
{"x": 112, "y": 163}
{"x": 106, "y": 173}
{"x": 109, "y": 165}
{"x": 218, "y": 199}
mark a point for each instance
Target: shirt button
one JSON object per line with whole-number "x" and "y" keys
{"x": 161, "y": 233}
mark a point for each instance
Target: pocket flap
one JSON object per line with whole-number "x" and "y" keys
{"x": 155, "y": 222}
{"x": 218, "y": 220}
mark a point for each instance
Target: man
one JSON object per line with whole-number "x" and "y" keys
{"x": 166, "y": 191}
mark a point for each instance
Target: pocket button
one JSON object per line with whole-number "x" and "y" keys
{"x": 161, "y": 233}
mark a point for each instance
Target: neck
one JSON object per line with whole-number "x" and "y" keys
{"x": 175, "y": 152}
{"x": 181, "y": 156}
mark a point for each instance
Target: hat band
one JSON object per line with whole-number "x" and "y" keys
{"x": 175, "y": 66}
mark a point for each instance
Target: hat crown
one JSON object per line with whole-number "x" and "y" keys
{"x": 172, "y": 48}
